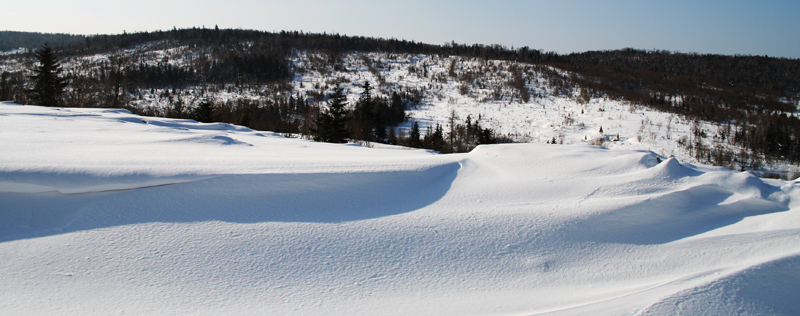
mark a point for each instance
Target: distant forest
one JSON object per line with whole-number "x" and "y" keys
{"x": 756, "y": 97}
{"x": 11, "y": 40}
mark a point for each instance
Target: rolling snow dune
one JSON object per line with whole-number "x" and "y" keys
{"x": 317, "y": 198}
{"x": 103, "y": 212}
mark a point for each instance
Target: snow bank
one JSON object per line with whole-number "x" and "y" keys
{"x": 104, "y": 212}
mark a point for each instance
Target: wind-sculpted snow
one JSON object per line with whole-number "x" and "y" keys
{"x": 769, "y": 288}
{"x": 77, "y": 183}
{"x": 245, "y": 198}
{"x": 672, "y": 216}
{"x": 104, "y": 212}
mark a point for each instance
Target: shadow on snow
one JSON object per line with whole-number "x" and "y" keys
{"x": 248, "y": 198}
{"x": 672, "y": 217}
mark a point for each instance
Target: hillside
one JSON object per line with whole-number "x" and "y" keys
{"x": 106, "y": 212}
{"x": 733, "y": 111}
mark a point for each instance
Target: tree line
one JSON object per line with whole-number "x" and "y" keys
{"x": 11, "y": 40}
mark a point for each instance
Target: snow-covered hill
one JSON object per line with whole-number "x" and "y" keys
{"x": 103, "y": 212}
{"x": 481, "y": 89}
{"x": 453, "y": 87}
{"x": 529, "y": 103}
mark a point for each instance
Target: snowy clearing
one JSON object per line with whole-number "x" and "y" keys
{"x": 103, "y": 212}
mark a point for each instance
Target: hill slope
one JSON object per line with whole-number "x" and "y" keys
{"x": 734, "y": 111}
{"x": 105, "y": 212}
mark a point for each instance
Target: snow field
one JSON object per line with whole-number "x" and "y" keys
{"x": 104, "y": 212}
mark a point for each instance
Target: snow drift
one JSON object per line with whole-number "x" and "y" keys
{"x": 104, "y": 212}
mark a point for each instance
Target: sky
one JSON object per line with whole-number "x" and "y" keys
{"x": 720, "y": 27}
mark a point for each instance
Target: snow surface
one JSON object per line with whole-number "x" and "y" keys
{"x": 103, "y": 213}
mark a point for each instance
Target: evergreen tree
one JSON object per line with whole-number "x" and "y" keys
{"x": 379, "y": 134}
{"x": 205, "y": 112}
{"x": 392, "y": 140}
{"x": 438, "y": 139}
{"x": 364, "y": 114}
{"x": 5, "y": 88}
{"x": 48, "y": 85}
{"x": 413, "y": 138}
{"x": 398, "y": 110}
{"x": 331, "y": 123}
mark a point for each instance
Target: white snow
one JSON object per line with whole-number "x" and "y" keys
{"x": 103, "y": 212}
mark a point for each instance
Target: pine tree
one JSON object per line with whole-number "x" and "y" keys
{"x": 5, "y": 88}
{"x": 48, "y": 85}
{"x": 414, "y": 137}
{"x": 398, "y": 110}
{"x": 392, "y": 140}
{"x": 204, "y": 111}
{"x": 331, "y": 123}
{"x": 364, "y": 116}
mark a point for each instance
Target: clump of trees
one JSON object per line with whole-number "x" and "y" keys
{"x": 331, "y": 124}
{"x": 371, "y": 117}
{"x": 461, "y": 137}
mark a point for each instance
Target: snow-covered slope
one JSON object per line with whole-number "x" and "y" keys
{"x": 450, "y": 86}
{"x": 104, "y": 213}
{"x": 483, "y": 89}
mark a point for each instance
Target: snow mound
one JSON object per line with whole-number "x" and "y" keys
{"x": 672, "y": 169}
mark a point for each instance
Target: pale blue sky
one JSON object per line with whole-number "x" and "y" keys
{"x": 725, "y": 27}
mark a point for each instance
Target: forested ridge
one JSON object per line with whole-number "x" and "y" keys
{"x": 11, "y": 40}
{"x": 753, "y": 97}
